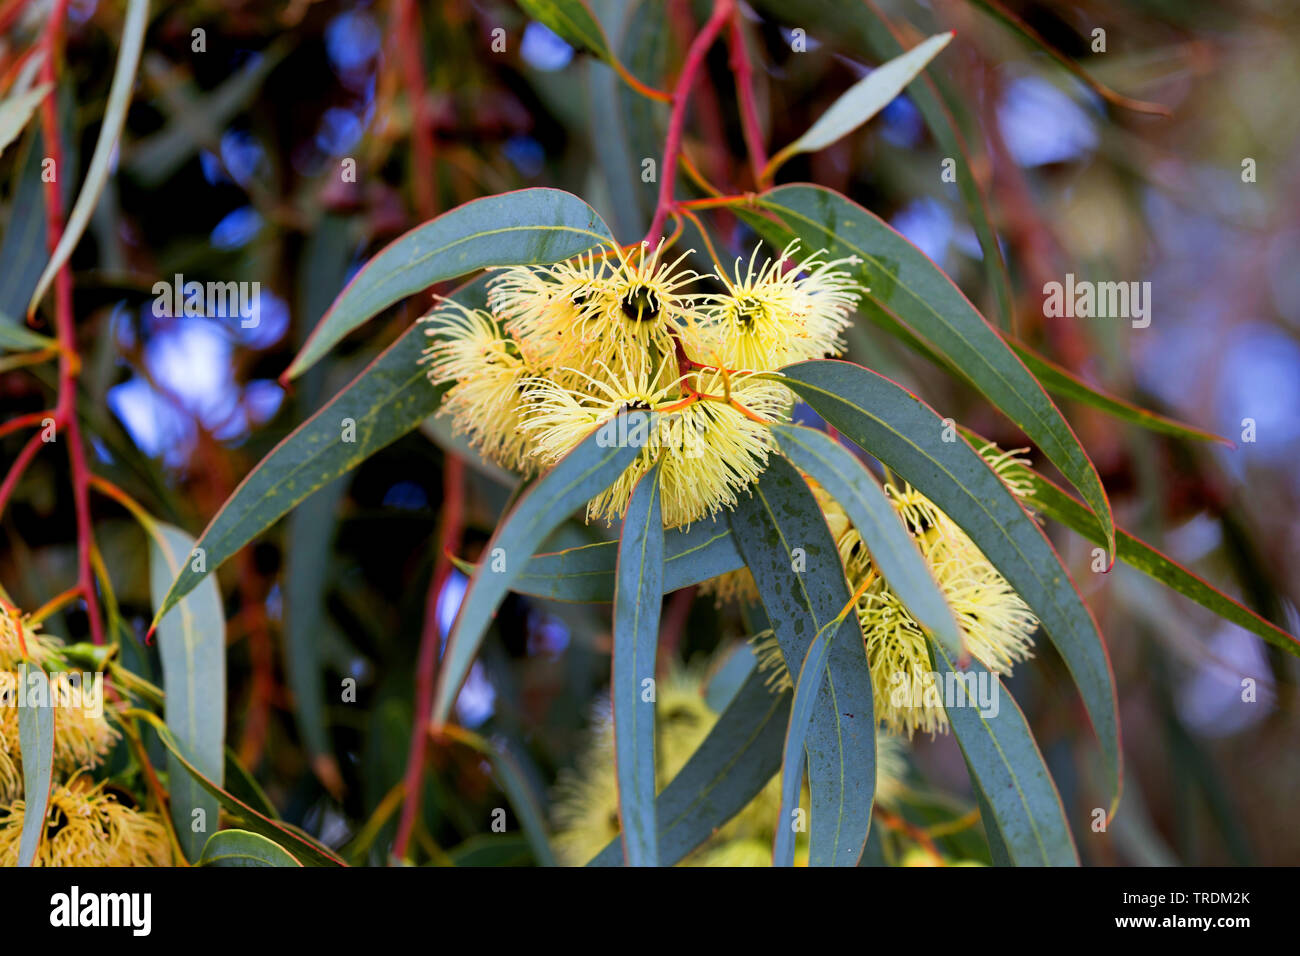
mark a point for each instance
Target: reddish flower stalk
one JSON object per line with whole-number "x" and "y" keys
{"x": 745, "y": 96}
{"x": 453, "y": 474}
{"x": 65, "y": 412}
{"x": 677, "y": 119}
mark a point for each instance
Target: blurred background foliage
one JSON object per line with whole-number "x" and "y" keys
{"x": 230, "y": 168}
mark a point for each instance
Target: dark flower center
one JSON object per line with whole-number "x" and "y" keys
{"x": 641, "y": 304}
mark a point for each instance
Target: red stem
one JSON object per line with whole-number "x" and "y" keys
{"x": 65, "y": 414}
{"x": 453, "y": 474}
{"x": 745, "y": 95}
{"x": 18, "y": 467}
{"x": 677, "y": 119}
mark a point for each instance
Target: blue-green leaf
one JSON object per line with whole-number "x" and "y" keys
{"x": 893, "y": 552}
{"x": 517, "y": 228}
{"x": 906, "y": 286}
{"x": 390, "y": 397}
{"x": 908, "y": 436}
{"x": 863, "y": 100}
{"x": 579, "y": 476}
{"x": 36, "y": 744}
{"x": 101, "y": 161}
{"x": 244, "y": 848}
{"x": 585, "y": 574}
{"x": 806, "y": 691}
{"x": 637, "y": 598}
{"x": 1006, "y": 766}
{"x": 192, "y": 646}
{"x": 781, "y": 533}
{"x": 737, "y": 758}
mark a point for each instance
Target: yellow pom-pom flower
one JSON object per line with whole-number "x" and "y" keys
{"x": 85, "y": 825}
{"x": 781, "y": 313}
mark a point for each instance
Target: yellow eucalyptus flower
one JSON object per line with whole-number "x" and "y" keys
{"x": 87, "y": 826}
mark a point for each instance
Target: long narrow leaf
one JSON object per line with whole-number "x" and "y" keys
{"x": 36, "y": 744}
{"x": 390, "y": 397}
{"x": 585, "y": 574}
{"x": 908, "y": 436}
{"x": 812, "y": 675}
{"x": 192, "y": 645}
{"x": 893, "y": 552}
{"x": 905, "y": 284}
{"x": 781, "y": 533}
{"x": 583, "y": 473}
{"x": 517, "y": 228}
{"x": 1006, "y": 766}
{"x": 637, "y": 598}
{"x": 862, "y": 100}
{"x": 110, "y": 130}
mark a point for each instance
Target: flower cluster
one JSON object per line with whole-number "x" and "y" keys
{"x": 562, "y": 349}
{"x": 997, "y": 626}
{"x": 86, "y": 823}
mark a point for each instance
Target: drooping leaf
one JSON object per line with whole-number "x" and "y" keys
{"x": 16, "y": 111}
{"x": 18, "y": 338}
{"x": 781, "y": 533}
{"x": 585, "y": 574}
{"x": 590, "y": 468}
{"x": 863, "y": 29}
{"x": 1065, "y": 384}
{"x": 736, "y": 759}
{"x": 893, "y": 552}
{"x": 637, "y": 599}
{"x": 192, "y": 646}
{"x": 517, "y": 228}
{"x": 1056, "y": 503}
{"x": 907, "y": 435}
{"x": 110, "y": 130}
{"x": 303, "y": 847}
{"x": 1005, "y": 764}
{"x": 812, "y": 674}
{"x": 389, "y": 398}
{"x": 36, "y": 744}
{"x": 905, "y": 284}
{"x": 244, "y": 848}
{"x": 573, "y": 22}
{"x": 862, "y": 100}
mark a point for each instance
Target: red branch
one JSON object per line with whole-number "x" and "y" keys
{"x": 745, "y": 96}
{"x": 677, "y": 119}
{"x": 453, "y": 474}
{"x": 65, "y": 411}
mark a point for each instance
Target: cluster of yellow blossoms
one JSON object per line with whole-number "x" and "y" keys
{"x": 562, "y": 349}
{"x": 87, "y": 824}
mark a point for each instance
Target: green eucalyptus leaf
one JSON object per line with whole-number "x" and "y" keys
{"x": 637, "y": 598}
{"x": 909, "y": 288}
{"x": 36, "y": 744}
{"x": 192, "y": 646}
{"x": 390, "y": 397}
{"x": 244, "y": 848}
{"x": 864, "y": 99}
{"x": 517, "y": 228}
{"x": 780, "y": 531}
{"x": 1006, "y": 766}
{"x": 908, "y": 436}
{"x": 586, "y": 471}
{"x": 893, "y": 552}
